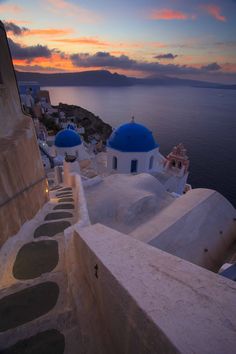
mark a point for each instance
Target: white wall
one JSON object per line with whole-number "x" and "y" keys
{"x": 79, "y": 149}
{"x": 70, "y": 168}
{"x": 124, "y": 160}
{"x": 144, "y": 300}
{"x": 198, "y": 227}
{"x": 176, "y": 184}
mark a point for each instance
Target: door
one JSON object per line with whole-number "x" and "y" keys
{"x": 134, "y": 166}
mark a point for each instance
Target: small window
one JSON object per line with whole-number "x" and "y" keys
{"x": 134, "y": 166}
{"x": 180, "y": 165}
{"x": 1, "y": 81}
{"x": 173, "y": 163}
{"x": 151, "y": 162}
{"x": 114, "y": 163}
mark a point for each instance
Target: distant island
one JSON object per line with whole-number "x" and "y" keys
{"x": 106, "y": 78}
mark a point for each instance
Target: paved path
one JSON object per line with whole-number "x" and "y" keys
{"x": 36, "y": 310}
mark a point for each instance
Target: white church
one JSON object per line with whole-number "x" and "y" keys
{"x": 132, "y": 149}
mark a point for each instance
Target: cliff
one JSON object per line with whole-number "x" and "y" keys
{"x": 91, "y": 123}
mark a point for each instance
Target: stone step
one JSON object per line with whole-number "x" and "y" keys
{"x": 27, "y": 304}
{"x": 51, "y": 229}
{"x": 61, "y": 321}
{"x": 58, "y": 215}
{"x": 50, "y": 341}
{"x": 36, "y": 258}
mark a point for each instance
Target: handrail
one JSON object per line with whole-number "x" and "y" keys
{"x": 23, "y": 190}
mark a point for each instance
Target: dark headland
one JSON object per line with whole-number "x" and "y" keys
{"x": 106, "y": 78}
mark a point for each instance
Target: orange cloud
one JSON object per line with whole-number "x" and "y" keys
{"x": 98, "y": 42}
{"x": 229, "y": 67}
{"x": 168, "y": 14}
{"x": 139, "y": 45}
{"x": 82, "y": 40}
{"x": 117, "y": 52}
{"x": 55, "y": 61}
{"x": 47, "y": 32}
{"x": 158, "y": 45}
{"x": 214, "y": 11}
{"x": 15, "y": 9}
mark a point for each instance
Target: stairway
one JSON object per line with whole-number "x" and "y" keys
{"x": 36, "y": 307}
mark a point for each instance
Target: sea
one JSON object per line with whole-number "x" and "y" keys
{"x": 203, "y": 119}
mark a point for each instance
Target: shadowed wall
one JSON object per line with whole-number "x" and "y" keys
{"x": 22, "y": 178}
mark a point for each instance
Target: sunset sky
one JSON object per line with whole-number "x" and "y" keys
{"x": 188, "y": 39}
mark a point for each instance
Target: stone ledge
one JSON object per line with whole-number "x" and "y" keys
{"x": 144, "y": 295}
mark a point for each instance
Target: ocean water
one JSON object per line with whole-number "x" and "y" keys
{"x": 204, "y": 120}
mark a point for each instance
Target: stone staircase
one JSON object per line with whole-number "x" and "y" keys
{"x": 36, "y": 307}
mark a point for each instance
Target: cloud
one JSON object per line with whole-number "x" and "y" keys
{"x": 14, "y": 29}
{"x": 169, "y": 14}
{"x": 48, "y": 32}
{"x": 12, "y": 9}
{"x": 225, "y": 44}
{"x": 101, "y": 59}
{"x": 83, "y": 40}
{"x": 214, "y": 11}
{"x": 20, "y": 31}
{"x": 157, "y": 44}
{"x": 37, "y": 68}
{"x": 19, "y": 51}
{"x": 65, "y": 8}
{"x": 211, "y": 67}
{"x": 166, "y": 56}
{"x": 107, "y": 61}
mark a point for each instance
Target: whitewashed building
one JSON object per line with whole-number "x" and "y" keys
{"x": 132, "y": 149}
{"x": 68, "y": 142}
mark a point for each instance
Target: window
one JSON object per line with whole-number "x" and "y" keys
{"x": 1, "y": 81}
{"x": 173, "y": 163}
{"x": 180, "y": 165}
{"x": 114, "y": 163}
{"x": 151, "y": 162}
{"x": 134, "y": 166}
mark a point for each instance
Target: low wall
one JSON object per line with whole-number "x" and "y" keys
{"x": 75, "y": 181}
{"x": 92, "y": 181}
{"x": 133, "y": 298}
{"x": 198, "y": 227}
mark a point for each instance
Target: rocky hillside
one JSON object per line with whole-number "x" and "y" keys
{"x": 90, "y": 122}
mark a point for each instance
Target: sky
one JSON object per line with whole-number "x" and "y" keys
{"x": 189, "y": 39}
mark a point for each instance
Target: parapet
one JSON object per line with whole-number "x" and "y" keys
{"x": 134, "y": 298}
{"x": 199, "y": 227}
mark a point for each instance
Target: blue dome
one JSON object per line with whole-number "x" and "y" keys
{"x": 132, "y": 137}
{"x": 67, "y": 138}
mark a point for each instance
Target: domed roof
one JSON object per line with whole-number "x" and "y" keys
{"x": 132, "y": 137}
{"x": 67, "y": 138}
